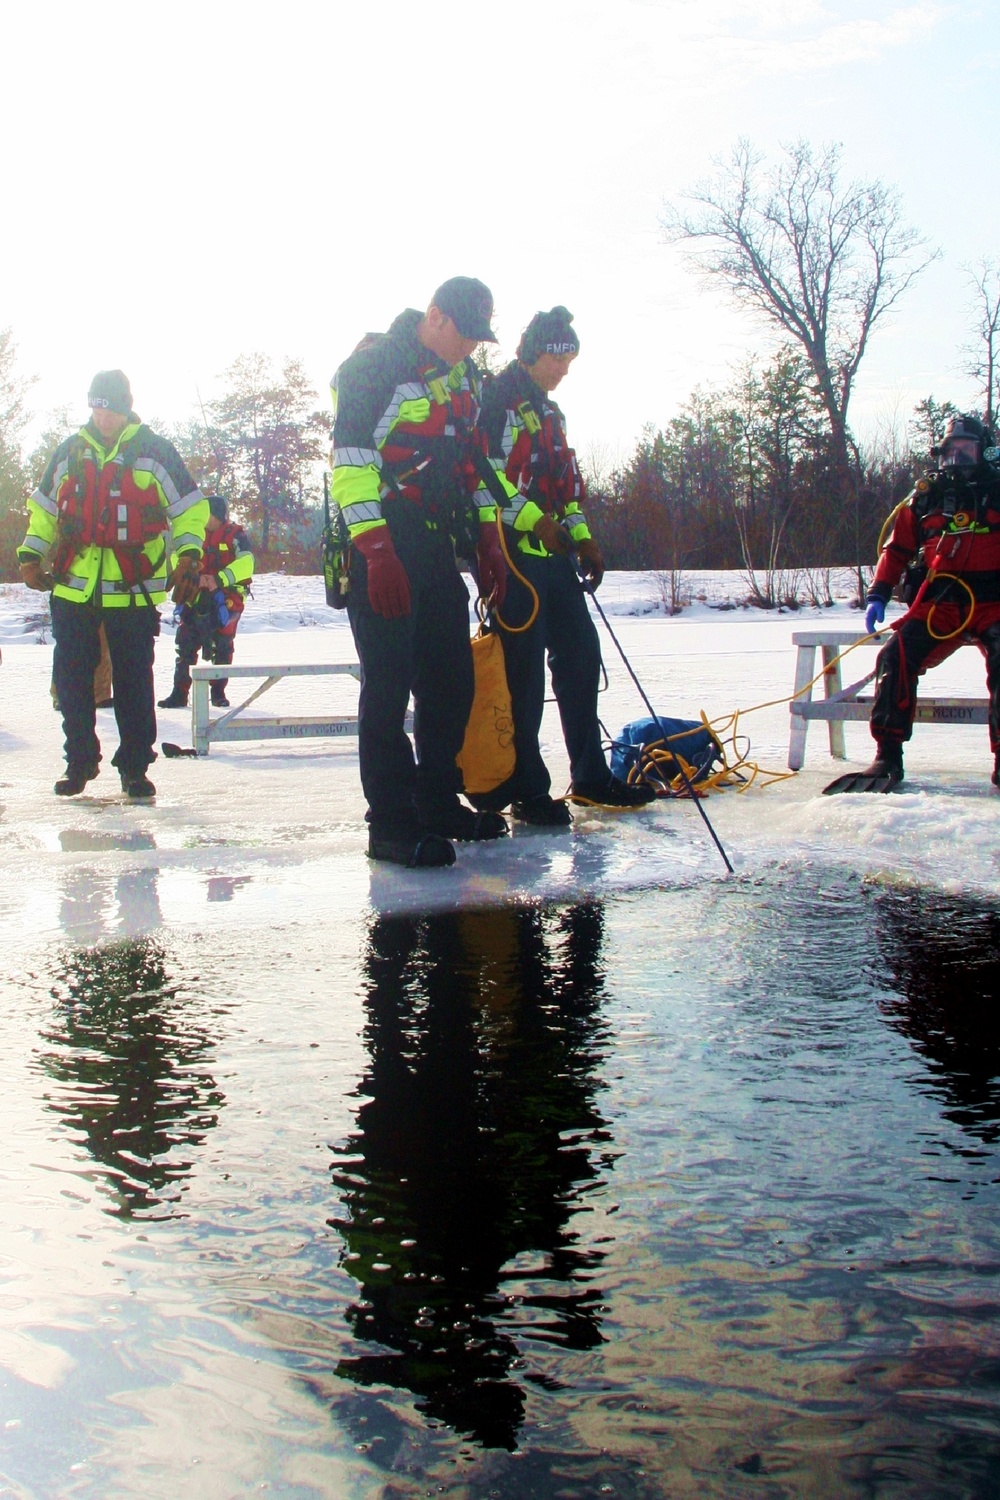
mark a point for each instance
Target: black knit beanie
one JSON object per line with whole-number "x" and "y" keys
{"x": 548, "y": 333}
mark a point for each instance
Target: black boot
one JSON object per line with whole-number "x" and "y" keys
{"x": 218, "y": 693}
{"x": 418, "y": 851}
{"x": 543, "y": 811}
{"x": 182, "y": 686}
{"x": 613, "y": 793}
{"x": 995, "y": 778}
{"x": 463, "y": 824}
{"x": 137, "y": 786}
{"x": 76, "y": 778}
{"x": 888, "y": 763}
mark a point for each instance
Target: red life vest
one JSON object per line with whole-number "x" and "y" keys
{"x": 445, "y": 435}
{"x": 105, "y": 507}
{"x": 220, "y": 551}
{"x": 541, "y": 463}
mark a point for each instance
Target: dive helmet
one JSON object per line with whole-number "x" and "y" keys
{"x": 966, "y": 443}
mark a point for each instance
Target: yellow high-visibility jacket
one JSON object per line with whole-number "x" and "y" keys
{"x": 404, "y": 430}
{"x": 526, "y": 434}
{"x": 82, "y": 517}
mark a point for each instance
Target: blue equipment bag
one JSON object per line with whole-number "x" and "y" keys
{"x": 697, "y": 746}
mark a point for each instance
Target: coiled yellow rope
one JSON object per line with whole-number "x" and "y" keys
{"x": 737, "y": 768}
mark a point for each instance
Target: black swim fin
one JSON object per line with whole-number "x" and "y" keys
{"x": 859, "y": 781}
{"x": 883, "y": 775}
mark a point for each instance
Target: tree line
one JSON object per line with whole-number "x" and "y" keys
{"x": 761, "y": 474}
{"x": 764, "y": 474}
{"x": 262, "y": 444}
{"x": 746, "y": 477}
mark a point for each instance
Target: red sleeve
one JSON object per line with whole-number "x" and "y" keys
{"x": 902, "y": 546}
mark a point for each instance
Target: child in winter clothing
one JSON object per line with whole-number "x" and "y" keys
{"x": 208, "y": 624}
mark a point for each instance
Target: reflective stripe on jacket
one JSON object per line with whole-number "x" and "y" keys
{"x": 526, "y": 435}
{"x": 88, "y": 490}
{"x": 405, "y": 425}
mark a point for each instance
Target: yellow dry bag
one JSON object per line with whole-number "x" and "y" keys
{"x": 487, "y": 755}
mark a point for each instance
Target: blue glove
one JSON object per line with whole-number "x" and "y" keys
{"x": 874, "y": 615}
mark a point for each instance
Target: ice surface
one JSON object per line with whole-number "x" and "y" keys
{"x": 268, "y": 832}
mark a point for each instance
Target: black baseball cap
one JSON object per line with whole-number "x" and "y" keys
{"x": 111, "y": 391}
{"x": 469, "y": 305}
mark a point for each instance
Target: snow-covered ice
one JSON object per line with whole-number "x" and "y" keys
{"x": 279, "y": 828}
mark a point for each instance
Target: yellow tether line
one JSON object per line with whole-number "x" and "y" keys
{"x": 515, "y": 629}
{"x": 723, "y": 731}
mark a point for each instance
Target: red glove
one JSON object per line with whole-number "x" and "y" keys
{"x": 388, "y": 585}
{"x": 591, "y": 562}
{"x": 492, "y": 564}
{"x": 551, "y": 535}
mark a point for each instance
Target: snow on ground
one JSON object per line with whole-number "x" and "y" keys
{"x": 276, "y": 831}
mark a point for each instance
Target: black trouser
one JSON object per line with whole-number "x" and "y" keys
{"x": 197, "y": 633}
{"x": 131, "y": 632}
{"x": 426, "y": 653}
{"x": 564, "y": 628}
{"x": 910, "y": 652}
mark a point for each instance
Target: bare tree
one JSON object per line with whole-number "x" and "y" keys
{"x": 265, "y": 443}
{"x": 821, "y": 260}
{"x": 983, "y": 352}
{"x": 776, "y": 424}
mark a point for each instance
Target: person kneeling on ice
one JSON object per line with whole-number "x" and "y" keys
{"x": 114, "y": 501}
{"x": 208, "y": 624}
{"x": 544, "y": 527}
{"x": 951, "y": 522}
{"x": 403, "y": 476}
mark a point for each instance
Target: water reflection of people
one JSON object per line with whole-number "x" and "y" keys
{"x": 478, "y": 1143}
{"x": 132, "y": 1071}
{"x": 94, "y": 907}
{"x": 942, "y": 954}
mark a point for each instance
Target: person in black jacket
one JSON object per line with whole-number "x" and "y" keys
{"x": 407, "y": 404}
{"x": 526, "y": 433}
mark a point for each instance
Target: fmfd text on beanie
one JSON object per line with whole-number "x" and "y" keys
{"x": 548, "y": 333}
{"x": 110, "y": 391}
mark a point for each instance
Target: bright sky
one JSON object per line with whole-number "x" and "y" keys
{"x": 187, "y": 182}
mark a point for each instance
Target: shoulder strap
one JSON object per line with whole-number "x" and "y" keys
{"x": 134, "y": 446}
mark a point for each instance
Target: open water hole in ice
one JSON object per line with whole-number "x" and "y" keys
{"x": 687, "y": 1193}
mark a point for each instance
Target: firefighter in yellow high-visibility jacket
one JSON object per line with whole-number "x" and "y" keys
{"x": 113, "y": 504}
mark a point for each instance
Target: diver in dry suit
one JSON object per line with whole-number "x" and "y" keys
{"x": 951, "y": 523}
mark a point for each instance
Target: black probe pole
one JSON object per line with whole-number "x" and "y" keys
{"x": 588, "y": 588}
{"x": 489, "y": 477}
